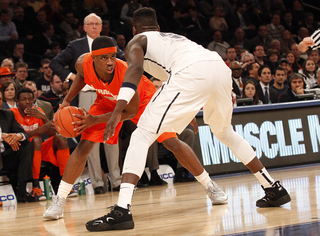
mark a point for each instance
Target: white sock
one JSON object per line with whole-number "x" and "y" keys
{"x": 204, "y": 178}
{"x": 64, "y": 189}
{"x": 265, "y": 179}
{"x": 125, "y": 195}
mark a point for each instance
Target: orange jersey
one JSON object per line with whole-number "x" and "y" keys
{"x": 107, "y": 94}
{"x": 28, "y": 123}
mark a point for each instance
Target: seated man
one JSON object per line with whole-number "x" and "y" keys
{"x": 54, "y": 150}
{"x": 16, "y": 153}
{"x": 296, "y": 88}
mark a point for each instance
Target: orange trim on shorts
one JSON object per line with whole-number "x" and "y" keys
{"x": 166, "y": 136}
{"x": 104, "y": 51}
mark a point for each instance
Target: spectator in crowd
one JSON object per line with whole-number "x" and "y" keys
{"x": 69, "y": 27}
{"x": 250, "y": 91}
{"x": 98, "y": 7}
{"x": 9, "y": 91}
{"x": 253, "y": 72}
{"x": 217, "y": 44}
{"x": 53, "y": 10}
{"x": 41, "y": 19}
{"x": 302, "y": 33}
{"x": 309, "y": 23}
{"x": 29, "y": 13}
{"x": 16, "y": 154}
{"x": 314, "y": 55}
{"x": 106, "y": 29}
{"x": 237, "y": 81}
{"x": 240, "y": 19}
{"x": 275, "y": 29}
{"x": 55, "y": 49}
{"x": 296, "y": 87}
{"x": 34, "y": 121}
{"x": 41, "y": 42}
{"x": 43, "y": 82}
{"x": 54, "y": 95}
{"x": 273, "y": 57}
{"x": 297, "y": 54}
{"x": 297, "y": 11}
{"x": 262, "y": 38}
{"x": 216, "y": 21}
{"x": 279, "y": 76}
{"x": 230, "y": 55}
{"x": 318, "y": 80}
{"x": 35, "y": 4}
{"x": 240, "y": 39}
{"x": 286, "y": 42}
{"x": 290, "y": 24}
{"x": 8, "y": 29}
{"x": 266, "y": 93}
{"x": 309, "y": 70}
{"x": 8, "y": 62}
{"x": 121, "y": 42}
{"x": 45, "y": 106}
{"x": 64, "y": 66}
{"x": 294, "y": 67}
{"x": 4, "y": 6}
{"x": 274, "y": 6}
{"x": 20, "y": 55}
{"x": 284, "y": 63}
{"x": 21, "y": 73}
{"x": 127, "y": 12}
{"x": 5, "y": 75}
{"x": 176, "y": 22}
{"x": 276, "y": 45}
{"x": 246, "y": 59}
{"x": 24, "y": 28}
{"x": 259, "y": 55}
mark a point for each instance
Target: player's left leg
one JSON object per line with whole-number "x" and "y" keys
{"x": 120, "y": 216}
{"x": 188, "y": 159}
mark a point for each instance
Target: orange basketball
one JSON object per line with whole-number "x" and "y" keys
{"x": 63, "y": 119}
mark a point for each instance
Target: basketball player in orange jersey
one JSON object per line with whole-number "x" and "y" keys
{"x": 33, "y": 120}
{"x": 105, "y": 73}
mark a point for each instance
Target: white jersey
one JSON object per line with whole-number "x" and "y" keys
{"x": 169, "y": 53}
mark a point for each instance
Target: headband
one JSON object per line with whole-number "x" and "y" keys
{"x": 104, "y": 51}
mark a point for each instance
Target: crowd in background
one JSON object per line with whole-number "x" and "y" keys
{"x": 258, "y": 39}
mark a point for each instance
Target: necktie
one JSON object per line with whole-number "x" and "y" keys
{"x": 240, "y": 84}
{"x": 266, "y": 95}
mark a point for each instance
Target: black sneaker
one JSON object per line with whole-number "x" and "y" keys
{"x": 275, "y": 196}
{"x": 27, "y": 198}
{"x": 118, "y": 219}
{"x": 155, "y": 179}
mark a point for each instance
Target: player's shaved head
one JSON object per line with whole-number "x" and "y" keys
{"x": 145, "y": 19}
{"x": 102, "y": 42}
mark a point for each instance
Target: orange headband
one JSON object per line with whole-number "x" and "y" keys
{"x": 104, "y": 51}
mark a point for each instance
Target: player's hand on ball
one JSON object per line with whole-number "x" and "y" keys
{"x": 64, "y": 104}
{"x": 85, "y": 121}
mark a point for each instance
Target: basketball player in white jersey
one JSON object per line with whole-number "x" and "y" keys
{"x": 195, "y": 78}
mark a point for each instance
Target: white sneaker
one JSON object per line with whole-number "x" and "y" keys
{"x": 55, "y": 211}
{"x": 216, "y": 195}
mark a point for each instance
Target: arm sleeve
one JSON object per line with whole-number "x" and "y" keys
{"x": 316, "y": 39}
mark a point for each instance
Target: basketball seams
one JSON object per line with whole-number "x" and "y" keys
{"x": 61, "y": 123}
{"x": 72, "y": 120}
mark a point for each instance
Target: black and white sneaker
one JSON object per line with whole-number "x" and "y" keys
{"x": 118, "y": 219}
{"x": 275, "y": 196}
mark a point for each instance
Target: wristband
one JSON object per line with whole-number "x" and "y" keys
{"x": 126, "y": 93}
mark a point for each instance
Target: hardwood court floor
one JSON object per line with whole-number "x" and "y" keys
{"x": 184, "y": 209}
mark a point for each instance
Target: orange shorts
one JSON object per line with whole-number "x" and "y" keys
{"x": 166, "y": 136}
{"x": 47, "y": 152}
{"x": 95, "y": 133}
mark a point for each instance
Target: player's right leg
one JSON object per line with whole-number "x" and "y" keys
{"x": 74, "y": 168}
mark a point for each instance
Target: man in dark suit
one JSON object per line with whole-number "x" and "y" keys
{"x": 16, "y": 154}
{"x": 68, "y": 57}
{"x": 266, "y": 93}
{"x": 237, "y": 81}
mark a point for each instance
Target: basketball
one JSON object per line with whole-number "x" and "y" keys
{"x": 63, "y": 119}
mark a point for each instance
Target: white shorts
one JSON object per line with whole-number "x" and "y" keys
{"x": 205, "y": 84}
